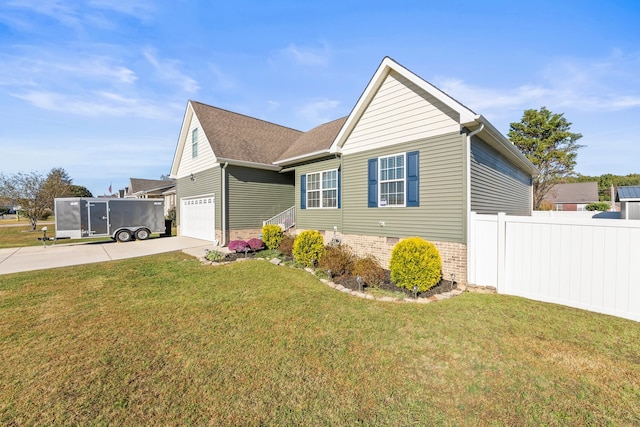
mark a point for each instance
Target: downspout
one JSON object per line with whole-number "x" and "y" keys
{"x": 224, "y": 204}
{"x": 341, "y": 199}
{"x": 468, "y": 212}
{"x": 475, "y": 132}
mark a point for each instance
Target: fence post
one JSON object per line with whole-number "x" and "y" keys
{"x": 502, "y": 232}
{"x": 472, "y": 247}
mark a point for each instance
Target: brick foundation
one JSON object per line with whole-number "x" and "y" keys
{"x": 454, "y": 255}
{"x": 245, "y": 234}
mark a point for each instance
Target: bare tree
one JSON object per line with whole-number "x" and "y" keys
{"x": 34, "y": 194}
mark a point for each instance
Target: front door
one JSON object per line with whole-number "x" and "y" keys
{"x": 97, "y": 218}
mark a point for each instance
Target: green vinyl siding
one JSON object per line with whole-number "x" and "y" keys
{"x": 441, "y": 215}
{"x": 255, "y": 195}
{"x": 206, "y": 182}
{"x": 316, "y": 219}
{"x": 496, "y": 184}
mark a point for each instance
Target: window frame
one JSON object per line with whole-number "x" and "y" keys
{"x": 404, "y": 181}
{"x": 321, "y": 189}
{"x": 194, "y": 143}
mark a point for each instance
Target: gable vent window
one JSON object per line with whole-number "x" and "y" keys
{"x": 194, "y": 143}
{"x": 393, "y": 181}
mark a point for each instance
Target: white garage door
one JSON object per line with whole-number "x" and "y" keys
{"x": 197, "y": 217}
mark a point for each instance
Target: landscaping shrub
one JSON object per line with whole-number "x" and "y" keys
{"x": 339, "y": 259}
{"x": 238, "y": 245}
{"x": 308, "y": 248}
{"x": 286, "y": 245}
{"x": 215, "y": 256}
{"x": 272, "y": 236}
{"x": 255, "y": 244}
{"x": 415, "y": 262}
{"x": 598, "y": 206}
{"x": 370, "y": 270}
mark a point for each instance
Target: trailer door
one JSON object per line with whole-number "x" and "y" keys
{"x": 98, "y": 224}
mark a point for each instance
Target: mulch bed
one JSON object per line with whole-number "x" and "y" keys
{"x": 350, "y": 282}
{"x": 234, "y": 256}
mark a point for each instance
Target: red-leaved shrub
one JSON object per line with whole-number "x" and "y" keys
{"x": 255, "y": 244}
{"x": 238, "y": 245}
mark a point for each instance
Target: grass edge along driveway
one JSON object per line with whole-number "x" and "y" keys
{"x": 164, "y": 340}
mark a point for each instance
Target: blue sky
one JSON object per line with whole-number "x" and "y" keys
{"x": 99, "y": 87}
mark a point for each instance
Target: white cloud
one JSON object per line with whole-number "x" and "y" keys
{"x": 97, "y": 104}
{"x": 306, "y": 56}
{"x": 587, "y": 85}
{"x": 481, "y": 99}
{"x": 137, "y": 8}
{"x": 168, "y": 70}
{"x": 221, "y": 80}
{"x": 58, "y": 10}
{"x": 44, "y": 67}
{"x": 318, "y": 111}
{"x": 78, "y": 16}
{"x": 272, "y": 106}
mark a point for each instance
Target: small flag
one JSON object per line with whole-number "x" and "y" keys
{"x": 110, "y": 188}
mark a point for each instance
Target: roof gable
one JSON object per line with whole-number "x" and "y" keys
{"x": 234, "y": 137}
{"x": 387, "y": 67}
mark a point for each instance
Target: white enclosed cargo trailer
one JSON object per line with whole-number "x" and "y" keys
{"x": 120, "y": 219}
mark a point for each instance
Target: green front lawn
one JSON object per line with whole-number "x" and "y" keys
{"x": 14, "y": 236}
{"x": 163, "y": 340}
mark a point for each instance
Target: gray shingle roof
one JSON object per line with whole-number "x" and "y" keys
{"x": 317, "y": 139}
{"x": 139, "y": 184}
{"x": 631, "y": 192}
{"x": 239, "y": 137}
{"x": 579, "y": 192}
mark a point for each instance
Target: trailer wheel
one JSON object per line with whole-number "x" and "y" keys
{"x": 123, "y": 236}
{"x": 142, "y": 234}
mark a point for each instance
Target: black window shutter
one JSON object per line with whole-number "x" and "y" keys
{"x": 413, "y": 179}
{"x": 339, "y": 196}
{"x": 373, "y": 183}
{"x": 303, "y": 191}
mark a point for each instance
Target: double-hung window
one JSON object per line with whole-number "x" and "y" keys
{"x": 392, "y": 180}
{"x": 194, "y": 143}
{"x": 321, "y": 189}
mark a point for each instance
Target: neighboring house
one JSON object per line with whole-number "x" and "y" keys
{"x": 408, "y": 161}
{"x": 7, "y": 206}
{"x": 572, "y": 197}
{"x": 140, "y": 188}
{"x": 629, "y": 198}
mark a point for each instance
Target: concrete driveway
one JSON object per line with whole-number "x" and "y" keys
{"x": 14, "y": 260}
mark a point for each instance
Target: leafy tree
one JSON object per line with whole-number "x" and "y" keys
{"x": 57, "y": 184}
{"x": 545, "y": 138}
{"x": 605, "y": 182}
{"x": 79, "y": 191}
{"x": 34, "y": 193}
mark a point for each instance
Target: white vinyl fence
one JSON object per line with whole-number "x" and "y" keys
{"x": 588, "y": 263}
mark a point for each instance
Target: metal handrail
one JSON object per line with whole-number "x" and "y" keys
{"x": 285, "y": 219}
